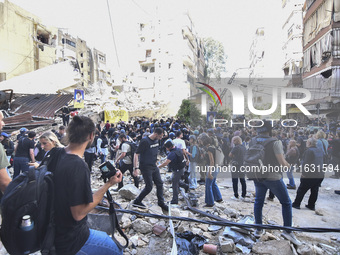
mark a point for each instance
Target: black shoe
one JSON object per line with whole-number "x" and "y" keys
{"x": 174, "y": 203}
{"x": 164, "y": 207}
{"x": 138, "y": 204}
{"x": 296, "y": 206}
{"x": 310, "y": 207}
{"x": 337, "y": 192}
{"x": 219, "y": 201}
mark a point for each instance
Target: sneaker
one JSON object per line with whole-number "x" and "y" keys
{"x": 234, "y": 198}
{"x": 291, "y": 237}
{"x": 138, "y": 204}
{"x": 258, "y": 233}
{"x": 310, "y": 207}
{"x": 290, "y": 186}
{"x": 242, "y": 198}
{"x": 270, "y": 199}
{"x": 296, "y": 206}
{"x": 334, "y": 176}
{"x": 337, "y": 192}
{"x": 220, "y": 200}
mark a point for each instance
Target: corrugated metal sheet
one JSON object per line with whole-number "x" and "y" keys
{"x": 19, "y": 118}
{"x": 40, "y": 105}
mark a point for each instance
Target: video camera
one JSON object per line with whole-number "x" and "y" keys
{"x": 108, "y": 170}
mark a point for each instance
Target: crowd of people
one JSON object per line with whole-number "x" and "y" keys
{"x": 190, "y": 153}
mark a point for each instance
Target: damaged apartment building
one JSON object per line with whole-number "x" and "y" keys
{"x": 32, "y": 57}
{"x": 321, "y": 56}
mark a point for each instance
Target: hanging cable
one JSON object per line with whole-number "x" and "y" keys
{"x": 113, "y": 36}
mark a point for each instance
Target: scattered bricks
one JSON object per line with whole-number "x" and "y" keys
{"x": 158, "y": 229}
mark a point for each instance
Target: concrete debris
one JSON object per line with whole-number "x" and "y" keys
{"x": 274, "y": 247}
{"x": 243, "y": 249}
{"x": 141, "y": 226}
{"x": 268, "y": 236}
{"x": 232, "y": 213}
{"x": 226, "y": 244}
{"x": 134, "y": 241}
{"x": 129, "y": 192}
{"x": 305, "y": 249}
{"x": 319, "y": 212}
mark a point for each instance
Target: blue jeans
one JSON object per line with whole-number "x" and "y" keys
{"x": 192, "y": 176}
{"x": 290, "y": 176}
{"x": 99, "y": 243}
{"x": 20, "y": 164}
{"x": 212, "y": 192}
{"x": 279, "y": 189}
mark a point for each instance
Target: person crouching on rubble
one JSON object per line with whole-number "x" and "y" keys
{"x": 74, "y": 198}
{"x": 177, "y": 164}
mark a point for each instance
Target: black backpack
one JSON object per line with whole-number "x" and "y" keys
{"x": 254, "y": 159}
{"x": 180, "y": 160}
{"x": 132, "y": 151}
{"x": 27, "y": 211}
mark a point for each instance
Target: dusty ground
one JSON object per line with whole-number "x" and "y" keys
{"x": 328, "y": 205}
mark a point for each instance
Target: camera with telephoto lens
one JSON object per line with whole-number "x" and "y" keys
{"x": 108, "y": 170}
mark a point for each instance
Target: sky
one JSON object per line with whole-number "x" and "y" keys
{"x": 232, "y": 22}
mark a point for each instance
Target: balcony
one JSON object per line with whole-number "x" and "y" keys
{"x": 188, "y": 61}
{"x": 188, "y": 33}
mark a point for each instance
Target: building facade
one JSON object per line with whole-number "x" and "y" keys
{"x": 26, "y": 44}
{"x": 321, "y": 54}
{"x": 171, "y": 60}
{"x": 292, "y": 49}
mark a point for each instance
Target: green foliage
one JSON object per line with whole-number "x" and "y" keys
{"x": 189, "y": 113}
{"x": 214, "y": 58}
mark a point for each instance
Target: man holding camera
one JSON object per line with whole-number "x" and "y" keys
{"x": 74, "y": 198}
{"x": 148, "y": 150}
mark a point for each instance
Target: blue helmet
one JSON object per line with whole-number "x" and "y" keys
{"x": 23, "y": 130}
{"x": 172, "y": 135}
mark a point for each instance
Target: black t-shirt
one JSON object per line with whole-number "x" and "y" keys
{"x": 24, "y": 146}
{"x": 148, "y": 150}
{"x": 72, "y": 187}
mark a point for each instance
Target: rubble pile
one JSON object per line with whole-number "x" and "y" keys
{"x": 100, "y": 96}
{"x": 153, "y": 236}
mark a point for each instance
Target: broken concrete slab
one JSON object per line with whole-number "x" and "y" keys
{"x": 129, "y": 192}
{"x": 275, "y": 247}
{"x": 226, "y": 244}
{"x": 141, "y": 226}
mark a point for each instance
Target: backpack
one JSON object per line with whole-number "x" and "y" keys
{"x": 31, "y": 195}
{"x": 180, "y": 162}
{"x": 198, "y": 154}
{"x": 131, "y": 153}
{"x": 254, "y": 159}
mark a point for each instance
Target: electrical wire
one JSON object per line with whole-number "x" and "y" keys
{"x": 141, "y": 8}
{"x": 21, "y": 61}
{"x": 113, "y": 35}
{"x": 226, "y": 223}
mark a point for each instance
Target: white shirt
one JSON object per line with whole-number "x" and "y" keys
{"x": 179, "y": 143}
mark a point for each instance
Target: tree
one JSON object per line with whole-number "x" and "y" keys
{"x": 214, "y": 59}
{"x": 189, "y": 113}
